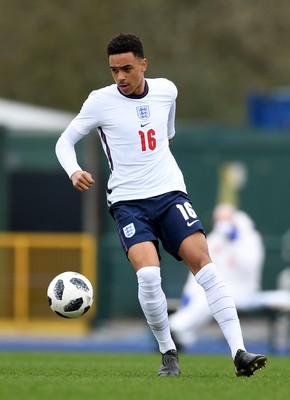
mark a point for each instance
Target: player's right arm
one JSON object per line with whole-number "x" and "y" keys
{"x": 65, "y": 152}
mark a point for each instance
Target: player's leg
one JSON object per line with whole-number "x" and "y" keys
{"x": 193, "y": 250}
{"x": 187, "y": 241}
{"x": 139, "y": 241}
{"x": 144, "y": 258}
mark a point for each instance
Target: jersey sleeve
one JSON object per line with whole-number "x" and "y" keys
{"x": 171, "y": 121}
{"x": 172, "y": 112}
{"x": 65, "y": 150}
{"x": 87, "y": 119}
{"x": 89, "y": 116}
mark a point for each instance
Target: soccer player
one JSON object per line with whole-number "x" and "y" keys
{"x": 147, "y": 196}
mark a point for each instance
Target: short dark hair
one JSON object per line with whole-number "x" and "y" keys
{"x": 125, "y": 43}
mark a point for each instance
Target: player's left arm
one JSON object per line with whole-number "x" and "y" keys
{"x": 171, "y": 121}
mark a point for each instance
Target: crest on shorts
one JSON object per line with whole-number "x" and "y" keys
{"x": 129, "y": 230}
{"x": 143, "y": 112}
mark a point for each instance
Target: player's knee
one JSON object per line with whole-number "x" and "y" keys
{"x": 148, "y": 276}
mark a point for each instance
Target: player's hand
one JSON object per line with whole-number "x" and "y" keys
{"x": 82, "y": 180}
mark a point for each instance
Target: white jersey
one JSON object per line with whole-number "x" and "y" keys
{"x": 135, "y": 133}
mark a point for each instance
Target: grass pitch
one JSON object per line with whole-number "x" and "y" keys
{"x": 82, "y": 376}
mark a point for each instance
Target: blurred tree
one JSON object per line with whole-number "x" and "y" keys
{"x": 54, "y": 53}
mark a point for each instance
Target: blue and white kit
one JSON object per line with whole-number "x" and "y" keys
{"x": 135, "y": 133}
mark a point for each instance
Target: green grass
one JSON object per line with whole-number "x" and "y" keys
{"x": 101, "y": 376}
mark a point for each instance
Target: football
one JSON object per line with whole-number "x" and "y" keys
{"x": 70, "y": 295}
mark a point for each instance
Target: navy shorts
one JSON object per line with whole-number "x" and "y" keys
{"x": 169, "y": 218}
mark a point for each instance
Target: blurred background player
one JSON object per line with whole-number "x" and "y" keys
{"x": 237, "y": 249}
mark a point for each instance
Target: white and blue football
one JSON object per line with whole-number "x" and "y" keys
{"x": 70, "y": 295}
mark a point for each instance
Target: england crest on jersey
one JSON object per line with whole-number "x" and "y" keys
{"x": 129, "y": 230}
{"x": 143, "y": 112}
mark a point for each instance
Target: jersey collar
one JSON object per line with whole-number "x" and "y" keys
{"x": 137, "y": 96}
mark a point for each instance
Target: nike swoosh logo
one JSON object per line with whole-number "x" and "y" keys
{"x": 142, "y": 125}
{"x": 193, "y": 222}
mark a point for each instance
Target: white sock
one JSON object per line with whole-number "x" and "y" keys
{"x": 222, "y": 306}
{"x": 154, "y": 305}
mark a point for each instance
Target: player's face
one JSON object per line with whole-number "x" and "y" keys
{"x": 128, "y": 72}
